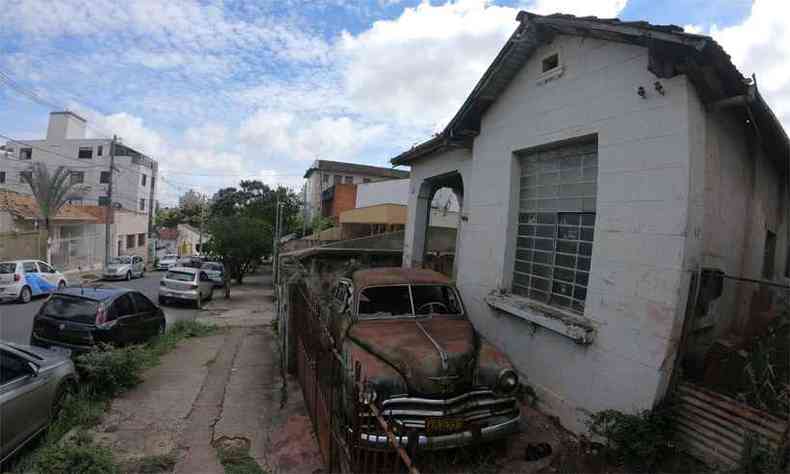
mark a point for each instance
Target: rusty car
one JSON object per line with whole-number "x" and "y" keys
{"x": 427, "y": 370}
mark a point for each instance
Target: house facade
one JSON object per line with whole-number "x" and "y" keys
{"x": 324, "y": 174}
{"x": 599, "y": 166}
{"x": 88, "y": 159}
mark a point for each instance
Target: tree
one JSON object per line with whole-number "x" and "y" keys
{"x": 256, "y": 199}
{"x": 240, "y": 241}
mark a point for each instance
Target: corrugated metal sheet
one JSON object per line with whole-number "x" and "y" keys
{"x": 715, "y": 427}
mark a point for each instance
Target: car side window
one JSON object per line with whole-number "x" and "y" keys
{"x": 30, "y": 267}
{"x": 45, "y": 268}
{"x": 12, "y": 367}
{"x": 122, "y": 307}
{"x": 203, "y": 276}
{"x": 143, "y": 304}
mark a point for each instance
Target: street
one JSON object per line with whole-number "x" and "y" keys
{"x": 16, "y": 320}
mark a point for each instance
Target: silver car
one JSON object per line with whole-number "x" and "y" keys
{"x": 216, "y": 272}
{"x": 33, "y": 385}
{"x": 186, "y": 284}
{"x": 124, "y": 267}
{"x": 167, "y": 261}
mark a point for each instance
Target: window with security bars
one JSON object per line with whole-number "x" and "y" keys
{"x": 556, "y": 221}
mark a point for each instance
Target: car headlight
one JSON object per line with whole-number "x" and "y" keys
{"x": 507, "y": 382}
{"x": 368, "y": 394}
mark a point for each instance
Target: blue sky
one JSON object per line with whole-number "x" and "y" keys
{"x": 223, "y": 90}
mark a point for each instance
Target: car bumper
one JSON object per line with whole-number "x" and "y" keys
{"x": 39, "y": 341}
{"x": 454, "y": 440}
{"x": 164, "y": 267}
{"x": 10, "y": 292}
{"x": 191, "y": 295}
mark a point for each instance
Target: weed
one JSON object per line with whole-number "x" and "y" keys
{"x": 237, "y": 460}
{"x": 152, "y": 464}
{"x": 640, "y": 441}
{"x": 110, "y": 371}
{"x": 178, "y": 332}
{"x": 758, "y": 456}
{"x": 80, "y": 454}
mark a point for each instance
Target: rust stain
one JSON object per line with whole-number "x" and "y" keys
{"x": 396, "y": 276}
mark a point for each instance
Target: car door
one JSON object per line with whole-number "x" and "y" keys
{"x": 205, "y": 283}
{"x": 148, "y": 314}
{"x": 138, "y": 265}
{"x": 49, "y": 275}
{"x": 33, "y": 278}
{"x": 24, "y": 407}
{"x": 126, "y": 329}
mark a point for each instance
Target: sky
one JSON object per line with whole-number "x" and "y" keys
{"x": 223, "y": 90}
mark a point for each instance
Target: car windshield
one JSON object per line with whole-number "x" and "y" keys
{"x": 120, "y": 261}
{"x": 170, "y": 257}
{"x": 7, "y": 267}
{"x": 180, "y": 276}
{"x": 72, "y": 308}
{"x": 212, "y": 266}
{"x": 392, "y": 301}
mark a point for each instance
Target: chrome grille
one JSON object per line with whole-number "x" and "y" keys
{"x": 476, "y": 407}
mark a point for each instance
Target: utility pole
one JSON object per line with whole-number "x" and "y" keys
{"x": 202, "y": 221}
{"x": 109, "y": 217}
{"x": 275, "y": 252}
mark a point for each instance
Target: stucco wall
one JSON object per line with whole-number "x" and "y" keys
{"x": 395, "y": 191}
{"x": 639, "y": 278}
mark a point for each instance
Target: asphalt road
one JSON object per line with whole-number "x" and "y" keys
{"x": 16, "y": 320}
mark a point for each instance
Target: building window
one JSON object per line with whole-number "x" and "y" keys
{"x": 337, "y": 179}
{"x": 104, "y": 201}
{"x": 555, "y": 225}
{"x": 142, "y": 204}
{"x": 140, "y": 240}
{"x": 349, "y": 180}
{"x": 325, "y": 178}
{"x": 25, "y": 176}
{"x": 769, "y": 255}
{"x": 365, "y": 180}
{"x": 86, "y": 152}
{"x": 550, "y": 62}
{"x": 104, "y": 177}
{"x": 143, "y": 179}
{"x": 100, "y": 150}
{"x": 130, "y": 241}
{"x": 77, "y": 177}
{"x": 25, "y": 153}
{"x": 2, "y": 177}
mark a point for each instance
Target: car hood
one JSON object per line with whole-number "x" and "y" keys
{"x": 435, "y": 356}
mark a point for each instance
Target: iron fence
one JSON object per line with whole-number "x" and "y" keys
{"x": 85, "y": 252}
{"x": 332, "y": 390}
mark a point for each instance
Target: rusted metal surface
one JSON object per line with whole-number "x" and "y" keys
{"x": 717, "y": 428}
{"x": 396, "y": 276}
{"x": 436, "y": 356}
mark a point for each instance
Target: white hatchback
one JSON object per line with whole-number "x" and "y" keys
{"x": 23, "y": 279}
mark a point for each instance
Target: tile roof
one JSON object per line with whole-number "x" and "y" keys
{"x": 25, "y": 207}
{"x": 354, "y": 168}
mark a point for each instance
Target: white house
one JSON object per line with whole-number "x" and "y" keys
{"x": 600, "y": 165}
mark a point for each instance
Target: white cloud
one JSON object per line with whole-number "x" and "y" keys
{"x": 599, "y": 8}
{"x": 286, "y": 134}
{"x": 274, "y": 178}
{"x": 761, "y": 45}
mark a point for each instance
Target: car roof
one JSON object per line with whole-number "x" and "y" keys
{"x": 94, "y": 293}
{"x": 396, "y": 276}
{"x": 20, "y": 261}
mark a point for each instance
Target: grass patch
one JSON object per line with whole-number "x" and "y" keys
{"x": 237, "y": 460}
{"x": 152, "y": 464}
{"x": 104, "y": 374}
{"x": 79, "y": 454}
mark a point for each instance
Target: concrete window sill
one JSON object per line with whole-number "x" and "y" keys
{"x": 575, "y": 327}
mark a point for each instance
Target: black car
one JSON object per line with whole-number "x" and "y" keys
{"x": 77, "y": 319}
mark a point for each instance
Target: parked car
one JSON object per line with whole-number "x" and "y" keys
{"x": 23, "y": 279}
{"x": 426, "y": 367}
{"x": 216, "y": 272}
{"x": 77, "y": 319}
{"x": 190, "y": 262}
{"x": 186, "y": 284}
{"x": 167, "y": 261}
{"x": 33, "y": 385}
{"x": 124, "y": 267}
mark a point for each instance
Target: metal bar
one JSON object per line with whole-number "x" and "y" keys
{"x": 753, "y": 280}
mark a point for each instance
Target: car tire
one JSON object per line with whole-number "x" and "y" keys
{"x": 60, "y": 398}
{"x": 25, "y": 295}
{"x": 129, "y": 276}
{"x": 61, "y": 285}
{"x": 162, "y": 300}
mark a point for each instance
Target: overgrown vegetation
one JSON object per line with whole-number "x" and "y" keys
{"x": 767, "y": 369}
{"x": 759, "y": 457}
{"x": 638, "y": 441}
{"x": 152, "y": 464}
{"x": 104, "y": 374}
{"x": 237, "y": 460}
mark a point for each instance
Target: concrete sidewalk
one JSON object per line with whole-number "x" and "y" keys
{"x": 218, "y": 389}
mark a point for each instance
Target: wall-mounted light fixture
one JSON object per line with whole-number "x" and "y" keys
{"x": 641, "y": 91}
{"x": 659, "y": 88}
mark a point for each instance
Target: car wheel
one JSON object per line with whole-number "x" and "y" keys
{"x": 60, "y": 398}
{"x": 129, "y": 276}
{"x": 162, "y": 300}
{"x": 61, "y": 285}
{"x": 25, "y": 295}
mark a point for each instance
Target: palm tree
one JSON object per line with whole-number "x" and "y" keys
{"x": 51, "y": 191}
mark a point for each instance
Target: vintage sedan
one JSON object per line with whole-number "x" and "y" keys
{"x": 425, "y": 366}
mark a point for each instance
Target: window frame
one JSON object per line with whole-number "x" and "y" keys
{"x": 413, "y": 314}
{"x": 25, "y": 364}
{"x": 26, "y": 153}
{"x": 141, "y": 239}
{"x": 134, "y": 239}
{"x": 74, "y": 175}
{"x": 143, "y": 179}
{"x": 142, "y": 204}
{"x": 103, "y": 175}
{"x": 2, "y": 177}
{"x": 88, "y": 149}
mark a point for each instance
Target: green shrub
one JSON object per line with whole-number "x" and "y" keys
{"x": 110, "y": 371}
{"x": 639, "y": 441}
{"x": 78, "y": 455}
{"x": 238, "y": 461}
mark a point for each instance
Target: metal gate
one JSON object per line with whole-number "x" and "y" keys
{"x": 332, "y": 396}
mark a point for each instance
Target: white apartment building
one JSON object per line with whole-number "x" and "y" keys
{"x": 134, "y": 182}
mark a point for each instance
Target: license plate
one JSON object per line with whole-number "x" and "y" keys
{"x": 438, "y": 426}
{"x": 61, "y": 350}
